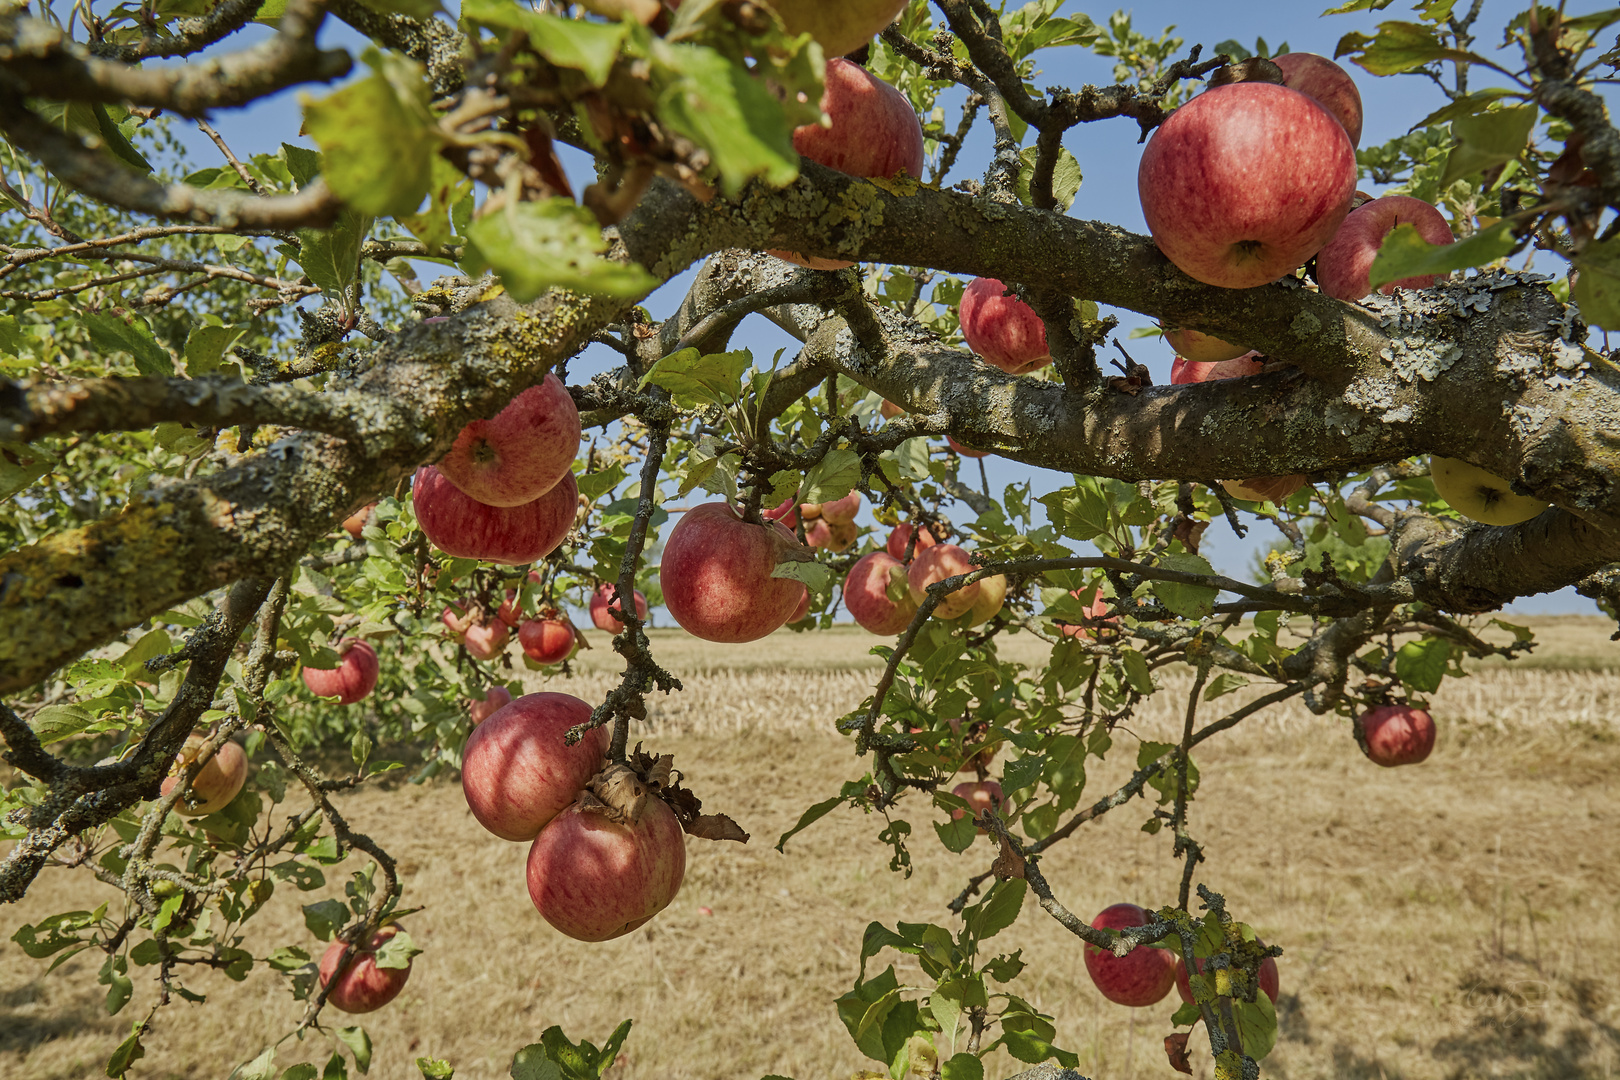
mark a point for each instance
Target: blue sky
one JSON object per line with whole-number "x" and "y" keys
{"x": 1107, "y": 153}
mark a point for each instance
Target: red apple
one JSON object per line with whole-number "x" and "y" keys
{"x": 786, "y": 513}
{"x": 486, "y": 641}
{"x": 353, "y": 678}
{"x": 802, "y": 610}
{"x": 362, "y": 986}
{"x": 355, "y": 523}
{"x": 900, "y": 539}
{"x": 595, "y": 879}
{"x": 837, "y": 512}
{"x": 964, "y": 451}
{"x": 494, "y": 699}
{"x": 830, "y": 537}
{"x": 1096, "y": 608}
{"x": 981, "y": 795}
{"x": 1269, "y": 982}
{"x": 1186, "y": 371}
{"x": 510, "y": 611}
{"x": 456, "y": 618}
{"x": 1245, "y": 182}
{"x": 1142, "y": 976}
{"x": 215, "y": 784}
{"x": 716, "y": 574}
{"x": 877, "y": 594}
{"x": 890, "y": 410}
{"x": 1320, "y": 78}
{"x": 1003, "y": 329}
{"x": 546, "y": 641}
{"x": 1201, "y": 348}
{"x": 522, "y": 452}
{"x": 517, "y": 772}
{"x": 602, "y": 600}
{"x": 459, "y": 525}
{"x": 1393, "y": 735}
{"x": 872, "y": 131}
{"x": 936, "y": 564}
{"x": 1343, "y": 266}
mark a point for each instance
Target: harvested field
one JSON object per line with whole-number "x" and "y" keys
{"x": 1457, "y": 919}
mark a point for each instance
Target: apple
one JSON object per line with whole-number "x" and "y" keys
{"x": 494, "y": 699}
{"x": 1142, "y": 976}
{"x": 786, "y": 513}
{"x": 900, "y": 540}
{"x": 1320, "y": 78}
{"x": 1183, "y": 371}
{"x": 1096, "y": 609}
{"x": 215, "y": 784}
{"x": 353, "y": 678}
{"x": 890, "y": 410}
{"x": 878, "y": 595}
{"x": 546, "y": 641}
{"x": 964, "y": 451}
{"x": 355, "y": 523}
{"x": 595, "y": 879}
{"x": 1393, "y": 735}
{"x": 457, "y": 618}
{"x": 802, "y": 610}
{"x": 872, "y": 131}
{"x": 1245, "y": 182}
{"x": 521, "y": 453}
{"x": 1479, "y": 495}
{"x": 362, "y": 986}
{"x": 517, "y": 772}
{"x": 1343, "y": 266}
{"x": 1268, "y": 978}
{"x": 717, "y": 575}
{"x": 603, "y": 598}
{"x": 459, "y": 525}
{"x": 837, "y": 512}
{"x": 936, "y": 564}
{"x": 992, "y": 594}
{"x": 831, "y": 537}
{"x": 1002, "y": 329}
{"x": 1201, "y": 348}
{"x": 981, "y": 795}
{"x": 486, "y": 641}
{"x": 1272, "y": 489}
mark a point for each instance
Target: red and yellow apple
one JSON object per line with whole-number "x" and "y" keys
{"x": 1201, "y": 348}
{"x": 717, "y": 575}
{"x": 1343, "y": 266}
{"x": 877, "y": 594}
{"x": 602, "y": 600}
{"x": 216, "y": 783}
{"x": 546, "y": 641}
{"x": 1003, "y": 329}
{"x": 1479, "y": 495}
{"x": 519, "y": 454}
{"x": 901, "y": 539}
{"x": 1320, "y": 78}
{"x": 353, "y": 678}
{"x": 516, "y": 770}
{"x": 494, "y": 699}
{"x": 981, "y": 795}
{"x": 935, "y": 565}
{"x": 459, "y": 525}
{"x": 362, "y": 986}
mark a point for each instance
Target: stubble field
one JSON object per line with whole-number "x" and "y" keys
{"x": 1456, "y": 919}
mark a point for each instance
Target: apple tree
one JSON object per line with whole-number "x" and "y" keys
{"x": 209, "y": 368}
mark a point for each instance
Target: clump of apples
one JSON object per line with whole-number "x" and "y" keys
{"x": 353, "y": 678}
{"x": 718, "y": 574}
{"x": 1142, "y": 976}
{"x": 218, "y": 781}
{"x": 483, "y": 638}
{"x": 1003, "y": 329}
{"x": 1393, "y": 735}
{"x": 1480, "y": 496}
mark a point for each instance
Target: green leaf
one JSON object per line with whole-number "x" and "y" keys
{"x": 1487, "y": 140}
{"x": 833, "y": 477}
{"x": 552, "y": 243}
{"x": 715, "y": 378}
{"x": 1136, "y": 671}
{"x": 325, "y": 918}
{"x": 206, "y": 345}
{"x": 1065, "y": 176}
{"x": 397, "y": 952}
{"x": 809, "y": 818}
{"x": 302, "y": 1071}
{"x": 336, "y": 1068}
{"x": 1223, "y": 684}
{"x": 303, "y": 163}
{"x": 116, "y": 141}
{"x": 589, "y": 47}
{"x": 1187, "y": 1013}
{"x": 1188, "y": 601}
{"x": 726, "y": 110}
{"x": 1405, "y": 254}
{"x": 816, "y": 576}
{"x": 594, "y": 485}
{"x": 957, "y": 834}
{"x": 331, "y": 257}
{"x": 1359, "y": 5}
{"x": 432, "y": 1069}
{"x": 1421, "y": 665}
{"x": 377, "y": 137}
{"x": 359, "y": 1044}
{"x": 1257, "y": 1025}
{"x": 128, "y": 1053}
{"x": 1468, "y": 105}
{"x": 54, "y": 723}
{"x": 1401, "y": 46}
{"x": 1022, "y": 772}
{"x": 129, "y": 334}
{"x": 963, "y": 1066}
{"x": 30, "y": 465}
{"x": 1597, "y": 285}
{"x": 998, "y": 910}
{"x": 262, "y": 1067}
{"x": 531, "y": 1063}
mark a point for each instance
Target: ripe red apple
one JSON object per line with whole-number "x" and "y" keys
{"x": 1003, "y": 329}
{"x": 1201, "y": 348}
{"x": 890, "y": 410}
{"x": 595, "y": 879}
{"x": 786, "y": 513}
{"x": 353, "y": 678}
{"x": 494, "y": 699}
{"x": 1320, "y": 78}
{"x": 981, "y": 795}
{"x": 215, "y": 784}
{"x": 602, "y": 600}
{"x": 522, "y": 452}
{"x": 963, "y": 450}
{"x": 517, "y": 772}
{"x": 873, "y": 131}
{"x": 716, "y": 573}
{"x": 1245, "y": 182}
{"x": 1269, "y": 982}
{"x": 355, "y": 523}
{"x": 456, "y": 618}
{"x": 1343, "y": 266}
{"x": 1184, "y": 371}
{"x": 486, "y": 641}
{"x": 877, "y": 594}
{"x": 1096, "y": 607}
{"x": 802, "y": 610}
{"x": 936, "y": 564}
{"x": 900, "y": 539}
{"x": 510, "y": 611}
{"x": 1142, "y": 976}
{"x": 362, "y": 986}
{"x": 823, "y": 534}
{"x": 837, "y": 512}
{"x": 546, "y": 641}
{"x": 459, "y": 525}
{"x": 1395, "y": 735}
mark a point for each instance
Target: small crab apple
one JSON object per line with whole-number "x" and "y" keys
{"x": 459, "y": 525}
{"x": 1142, "y": 976}
{"x": 1344, "y": 265}
{"x": 518, "y": 772}
{"x": 1184, "y": 371}
{"x": 1395, "y": 735}
{"x": 900, "y": 539}
{"x": 831, "y": 536}
{"x": 519, "y": 454}
{"x": 981, "y": 795}
{"x": 1201, "y": 348}
{"x": 362, "y": 986}
{"x": 1320, "y": 78}
{"x": 1002, "y": 329}
{"x": 718, "y": 574}
{"x": 353, "y": 678}
{"x": 494, "y": 699}
{"x": 1479, "y": 495}
{"x": 215, "y": 784}
{"x": 601, "y": 603}
{"x": 546, "y": 641}
{"x": 873, "y": 131}
{"x": 1268, "y": 977}
{"x": 877, "y": 594}
{"x": 936, "y": 564}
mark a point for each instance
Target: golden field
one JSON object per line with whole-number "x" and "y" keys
{"x": 1457, "y": 919}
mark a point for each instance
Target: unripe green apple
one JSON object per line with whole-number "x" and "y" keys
{"x": 1480, "y": 496}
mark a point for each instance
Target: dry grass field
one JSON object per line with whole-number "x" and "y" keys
{"x": 1457, "y": 919}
